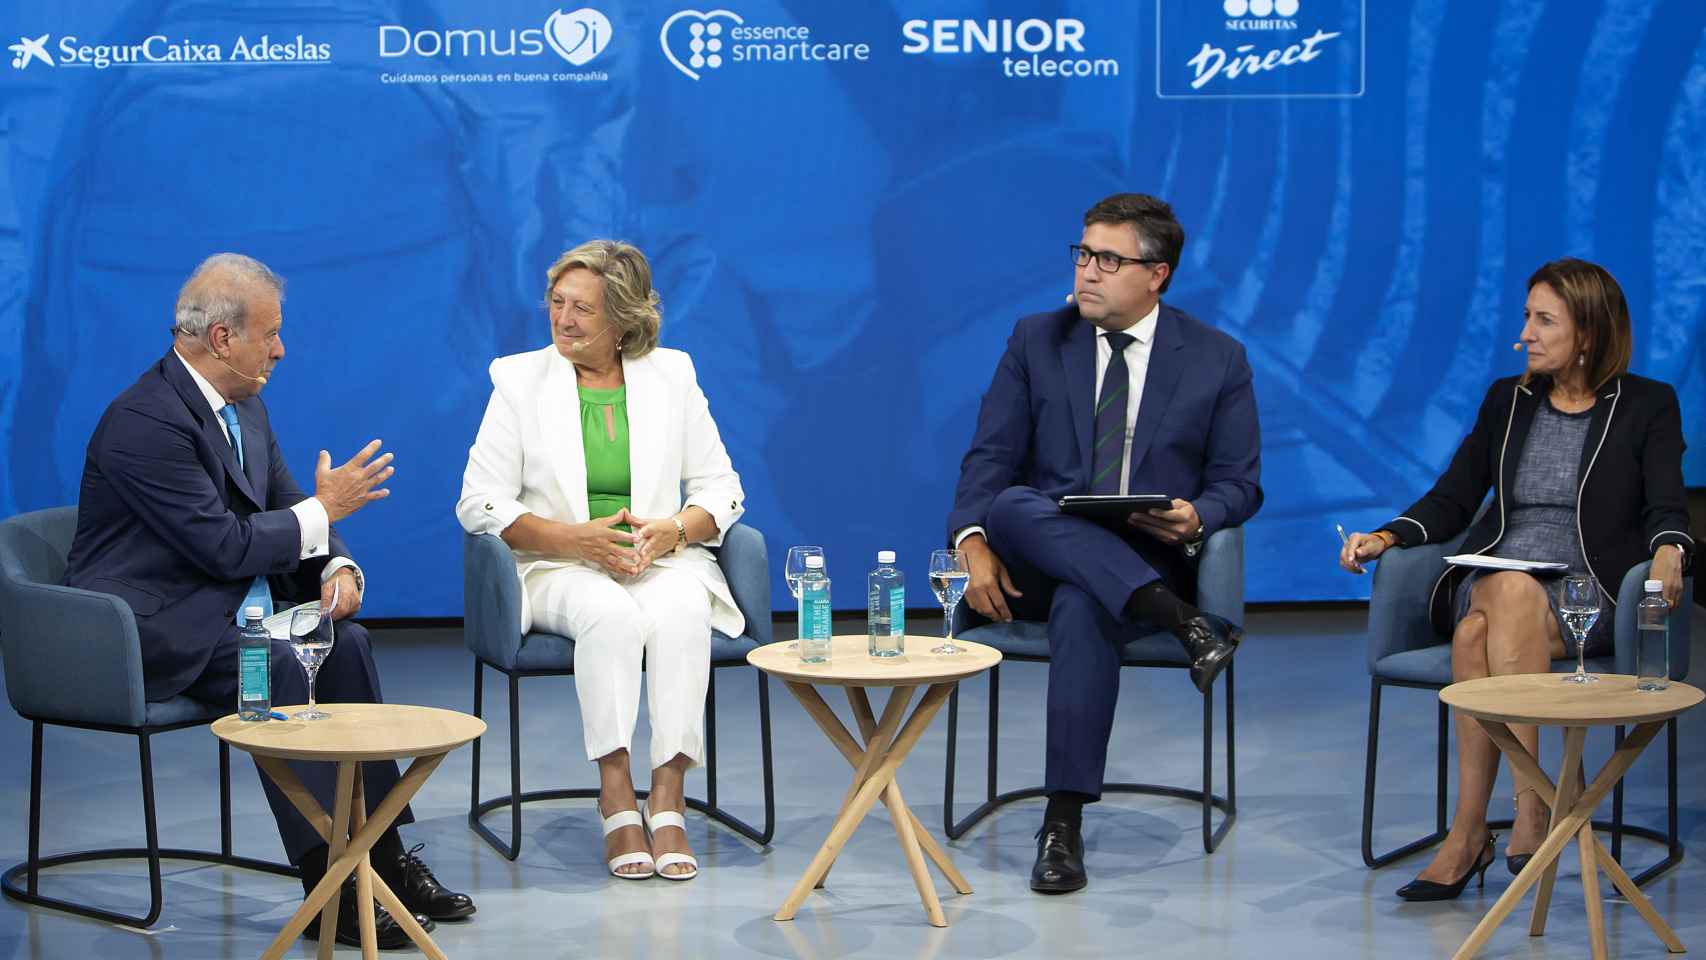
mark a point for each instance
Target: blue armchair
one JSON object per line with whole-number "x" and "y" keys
{"x": 492, "y": 629}
{"x": 72, "y": 659}
{"x": 1220, "y": 590}
{"x": 1404, "y": 651}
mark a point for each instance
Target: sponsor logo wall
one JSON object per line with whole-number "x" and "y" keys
{"x": 847, "y": 207}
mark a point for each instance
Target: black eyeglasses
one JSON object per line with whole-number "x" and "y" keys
{"x": 1106, "y": 260}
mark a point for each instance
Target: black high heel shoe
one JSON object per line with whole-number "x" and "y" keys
{"x": 1515, "y": 862}
{"x": 1418, "y": 890}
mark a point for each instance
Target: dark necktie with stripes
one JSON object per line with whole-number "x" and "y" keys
{"x": 1109, "y": 444}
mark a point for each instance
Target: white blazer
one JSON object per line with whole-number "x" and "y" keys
{"x": 528, "y": 458}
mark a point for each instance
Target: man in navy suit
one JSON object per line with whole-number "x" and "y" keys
{"x": 1114, "y": 394}
{"x": 188, "y": 513}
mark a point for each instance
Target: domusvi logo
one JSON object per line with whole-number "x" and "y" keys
{"x": 697, "y": 42}
{"x": 1260, "y": 48}
{"x": 1023, "y": 48}
{"x": 577, "y": 36}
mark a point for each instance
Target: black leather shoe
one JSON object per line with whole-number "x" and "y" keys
{"x": 1430, "y": 890}
{"x": 1209, "y": 641}
{"x": 1060, "y": 859}
{"x": 387, "y": 933}
{"x": 422, "y": 893}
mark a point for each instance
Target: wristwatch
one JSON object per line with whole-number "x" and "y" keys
{"x": 1193, "y": 546}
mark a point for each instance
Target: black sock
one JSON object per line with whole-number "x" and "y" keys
{"x": 313, "y": 867}
{"x": 385, "y": 856}
{"x": 1067, "y": 805}
{"x": 1158, "y": 605}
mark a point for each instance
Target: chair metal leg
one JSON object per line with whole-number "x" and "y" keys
{"x": 948, "y": 774}
{"x": 711, "y": 739}
{"x": 1371, "y": 761}
{"x": 225, "y": 798}
{"x": 1670, "y": 839}
{"x": 29, "y": 891}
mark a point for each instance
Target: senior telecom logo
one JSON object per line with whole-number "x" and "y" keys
{"x": 1027, "y": 48}
{"x": 696, "y": 42}
{"x": 577, "y": 36}
{"x": 1260, "y": 48}
{"x": 160, "y": 50}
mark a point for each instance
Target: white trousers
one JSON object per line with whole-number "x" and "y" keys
{"x": 664, "y": 615}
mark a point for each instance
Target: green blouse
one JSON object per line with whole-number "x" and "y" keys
{"x": 604, "y": 438}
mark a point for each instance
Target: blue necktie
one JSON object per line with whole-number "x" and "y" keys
{"x": 1109, "y": 445}
{"x": 260, "y": 594}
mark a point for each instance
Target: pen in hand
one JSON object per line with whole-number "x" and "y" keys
{"x": 1346, "y": 541}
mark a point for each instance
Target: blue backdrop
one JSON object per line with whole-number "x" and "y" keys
{"x": 847, "y": 205}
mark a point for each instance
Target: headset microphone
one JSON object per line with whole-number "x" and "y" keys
{"x": 1070, "y": 298}
{"x": 579, "y": 345}
{"x": 252, "y": 379}
{"x": 1517, "y": 345}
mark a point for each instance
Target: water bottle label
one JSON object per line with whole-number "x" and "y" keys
{"x": 814, "y": 614}
{"x": 252, "y": 676}
{"x": 897, "y": 611}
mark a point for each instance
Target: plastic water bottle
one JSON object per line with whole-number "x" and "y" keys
{"x": 254, "y": 662}
{"x": 885, "y": 611}
{"x": 1652, "y": 644}
{"x": 814, "y": 613}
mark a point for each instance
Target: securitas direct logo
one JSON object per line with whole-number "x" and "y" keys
{"x": 1029, "y": 48}
{"x": 1259, "y": 48}
{"x": 163, "y": 50}
{"x": 699, "y": 43}
{"x": 485, "y": 54}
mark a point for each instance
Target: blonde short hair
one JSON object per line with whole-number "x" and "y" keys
{"x": 630, "y": 303}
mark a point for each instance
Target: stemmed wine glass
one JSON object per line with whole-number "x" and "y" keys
{"x": 795, "y": 569}
{"x": 1579, "y": 602}
{"x": 948, "y": 577}
{"x": 311, "y": 640}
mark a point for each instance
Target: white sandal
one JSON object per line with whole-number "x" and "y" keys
{"x": 615, "y": 822}
{"x": 669, "y": 818}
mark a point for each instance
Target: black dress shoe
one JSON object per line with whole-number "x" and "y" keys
{"x": 422, "y": 893}
{"x": 388, "y": 934}
{"x": 1209, "y": 641}
{"x": 1060, "y": 859}
{"x": 1429, "y": 890}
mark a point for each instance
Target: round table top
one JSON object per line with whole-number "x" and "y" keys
{"x": 851, "y": 665}
{"x": 1545, "y": 699}
{"x": 355, "y": 731}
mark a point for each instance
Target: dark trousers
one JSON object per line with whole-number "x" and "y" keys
{"x": 1078, "y": 576}
{"x": 347, "y": 676}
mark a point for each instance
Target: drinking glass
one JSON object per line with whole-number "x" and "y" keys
{"x": 311, "y": 640}
{"x": 1578, "y": 600}
{"x": 948, "y": 576}
{"x": 794, "y": 570}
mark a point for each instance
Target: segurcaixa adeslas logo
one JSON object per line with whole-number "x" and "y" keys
{"x": 1260, "y": 48}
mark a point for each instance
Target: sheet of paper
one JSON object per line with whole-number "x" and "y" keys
{"x": 278, "y": 625}
{"x": 1504, "y": 563}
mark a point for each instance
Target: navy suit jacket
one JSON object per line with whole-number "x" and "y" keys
{"x": 167, "y": 522}
{"x": 1196, "y": 436}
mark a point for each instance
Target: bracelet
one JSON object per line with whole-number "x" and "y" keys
{"x": 680, "y": 534}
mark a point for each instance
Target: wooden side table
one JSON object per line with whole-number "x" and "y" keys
{"x": 1543, "y": 699}
{"x": 355, "y": 733}
{"x": 886, "y": 743}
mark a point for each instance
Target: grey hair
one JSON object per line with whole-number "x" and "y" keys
{"x": 630, "y": 303}
{"x": 214, "y": 293}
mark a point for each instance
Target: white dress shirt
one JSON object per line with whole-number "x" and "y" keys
{"x": 1137, "y": 369}
{"x": 311, "y": 517}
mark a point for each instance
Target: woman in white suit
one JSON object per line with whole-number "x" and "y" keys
{"x": 599, "y": 464}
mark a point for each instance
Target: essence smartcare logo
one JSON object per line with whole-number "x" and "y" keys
{"x": 696, "y": 42}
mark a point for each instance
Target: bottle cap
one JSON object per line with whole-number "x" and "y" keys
{"x": 814, "y": 563}
{"x": 1655, "y": 586}
{"x": 885, "y": 556}
{"x": 252, "y": 613}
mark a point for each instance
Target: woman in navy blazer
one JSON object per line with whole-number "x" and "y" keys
{"x": 1577, "y": 439}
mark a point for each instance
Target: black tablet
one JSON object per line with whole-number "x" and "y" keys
{"x": 1112, "y": 508}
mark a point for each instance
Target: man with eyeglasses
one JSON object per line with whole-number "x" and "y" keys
{"x": 1115, "y": 393}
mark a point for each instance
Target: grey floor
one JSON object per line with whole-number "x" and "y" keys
{"x": 1288, "y": 881}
